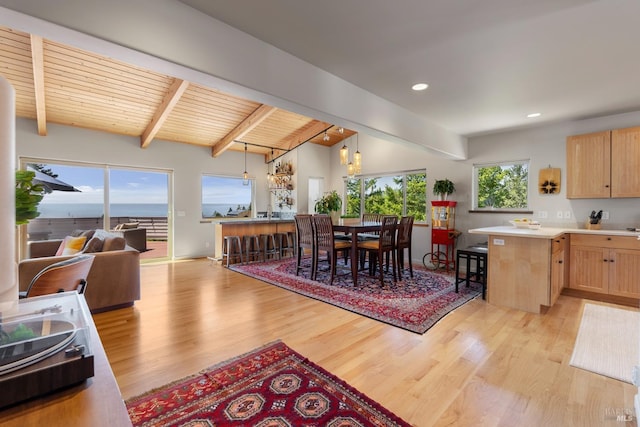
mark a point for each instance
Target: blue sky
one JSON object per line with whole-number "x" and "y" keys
{"x": 127, "y": 186}
{"x": 139, "y": 187}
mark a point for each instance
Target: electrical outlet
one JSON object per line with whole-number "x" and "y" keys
{"x": 207, "y": 244}
{"x": 567, "y": 214}
{"x": 605, "y": 215}
{"x": 559, "y": 215}
{"x": 542, "y": 214}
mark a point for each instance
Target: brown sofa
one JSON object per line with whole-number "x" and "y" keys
{"x": 113, "y": 282}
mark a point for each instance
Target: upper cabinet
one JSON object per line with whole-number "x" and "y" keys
{"x": 604, "y": 164}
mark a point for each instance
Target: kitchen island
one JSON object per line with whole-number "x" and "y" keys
{"x": 245, "y": 227}
{"x": 527, "y": 269}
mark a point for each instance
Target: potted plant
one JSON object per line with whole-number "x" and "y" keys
{"x": 28, "y": 196}
{"x": 443, "y": 187}
{"x": 330, "y": 203}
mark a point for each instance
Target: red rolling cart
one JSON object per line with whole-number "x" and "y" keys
{"x": 443, "y": 236}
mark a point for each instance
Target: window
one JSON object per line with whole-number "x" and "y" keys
{"x": 502, "y": 185}
{"x": 398, "y": 194}
{"x": 89, "y": 196}
{"x": 226, "y": 197}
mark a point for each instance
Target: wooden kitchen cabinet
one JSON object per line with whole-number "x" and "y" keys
{"x": 604, "y": 164}
{"x": 519, "y": 273}
{"x": 559, "y": 270}
{"x": 605, "y": 264}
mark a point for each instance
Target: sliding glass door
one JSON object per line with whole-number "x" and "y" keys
{"x": 135, "y": 202}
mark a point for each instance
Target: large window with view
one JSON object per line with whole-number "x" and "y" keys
{"x": 226, "y": 197}
{"x": 502, "y": 185}
{"x": 397, "y": 194}
{"x": 87, "y": 196}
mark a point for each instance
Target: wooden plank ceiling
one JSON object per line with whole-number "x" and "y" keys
{"x": 59, "y": 84}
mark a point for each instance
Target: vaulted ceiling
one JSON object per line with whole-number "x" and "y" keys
{"x": 60, "y": 84}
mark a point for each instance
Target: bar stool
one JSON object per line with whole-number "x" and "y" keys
{"x": 269, "y": 247}
{"x": 231, "y": 248}
{"x": 285, "y": 244}
{"x": 251, "y": 243}
{"x": 479, "y": 255}
{"x": 291, "y": 237}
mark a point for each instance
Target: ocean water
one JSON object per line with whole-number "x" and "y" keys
{"x": 95, "y": 210}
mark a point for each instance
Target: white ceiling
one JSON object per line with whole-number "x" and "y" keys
{"x": 489, "y": 63}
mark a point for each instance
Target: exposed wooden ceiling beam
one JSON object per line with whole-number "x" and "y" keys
{"x": 313, "y": 130}
{"x": 289, "y": 144}
{"x": 176, "y": 90}
{"x": 37, "y": 59}
{"x": 257, "y": 117}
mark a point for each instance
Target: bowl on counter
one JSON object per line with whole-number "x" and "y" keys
{"x": 525, "y": 223}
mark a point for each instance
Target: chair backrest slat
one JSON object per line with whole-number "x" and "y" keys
{"x": 323, "y": 232}
{"x": 405, "y": 228}
{"x": 388, "y": 231}
{"x": 304, "y": 231}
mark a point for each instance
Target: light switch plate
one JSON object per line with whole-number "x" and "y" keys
{"x": 498, "y": 242}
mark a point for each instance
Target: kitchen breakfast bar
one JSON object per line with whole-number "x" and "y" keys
{"x": 246, "y": 227}
{"x": 528, "y": 269}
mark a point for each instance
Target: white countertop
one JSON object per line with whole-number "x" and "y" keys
{"x": 547, "y": 232}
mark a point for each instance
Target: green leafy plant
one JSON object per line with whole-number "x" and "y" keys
{"x": 28, "y": 196}
{"x": 443, "y": 187}
{"x": 330, "y": 202}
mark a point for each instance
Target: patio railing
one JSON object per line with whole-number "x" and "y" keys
{"x": 58, "y": 228}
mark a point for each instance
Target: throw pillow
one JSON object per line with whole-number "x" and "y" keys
{"x": 71, "y": 245}
{"x": 113, "y": 244}
{"x": 93, "y": 245}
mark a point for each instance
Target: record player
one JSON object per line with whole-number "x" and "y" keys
{"x": 44, "y": 346}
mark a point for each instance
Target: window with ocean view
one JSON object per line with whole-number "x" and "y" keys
{"x": 226, "y": 197}
{"x": 76, "y": 200}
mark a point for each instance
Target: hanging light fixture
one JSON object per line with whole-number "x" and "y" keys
{"x": 344, "y": 151}
{"x": 351, "y": 170}
{"x": 357, "y": 159}
{"x": 326, "y": 136}
{"x": 270, "y": 176}
{"x": 245, "y": 175}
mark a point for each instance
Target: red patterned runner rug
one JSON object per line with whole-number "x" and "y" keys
{"x": 269, "y": 386}
{"x": 415, "y": 304}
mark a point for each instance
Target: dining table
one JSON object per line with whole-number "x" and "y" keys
{"x": 353, "y": 229}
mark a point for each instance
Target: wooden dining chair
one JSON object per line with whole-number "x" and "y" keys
{"x": 325, "y": 242}
{"x": 405, "y": 231}
{"x": 386, "y": 244}
{"x": 68, "y": 275}
{"x": 304, "y": 239}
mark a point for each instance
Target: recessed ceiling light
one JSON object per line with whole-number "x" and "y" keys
{"x": 532, "y": 115}
{"x": 419, "y": 86}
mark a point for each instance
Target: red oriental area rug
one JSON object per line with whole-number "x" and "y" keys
{"x": 270, "y": 386}
{"x": 415, "y": 304}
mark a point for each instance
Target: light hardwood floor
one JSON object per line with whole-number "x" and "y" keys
{"x": 479, "y": 366}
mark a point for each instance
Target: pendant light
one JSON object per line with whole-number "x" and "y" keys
{"x": 351, "y": 170}
{"x": 344, "y": 151}
{"x": 270, "y": 176}
{"x": 357, "y": 159}
{"x": 245, "y": 175}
